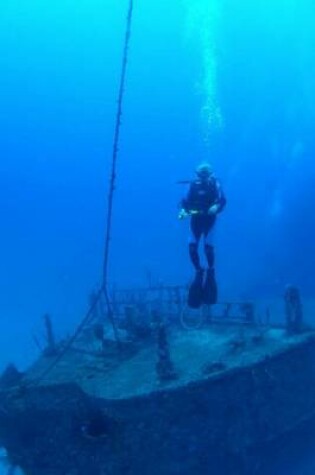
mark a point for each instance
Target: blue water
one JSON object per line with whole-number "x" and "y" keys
{"x": 220, "y": 80}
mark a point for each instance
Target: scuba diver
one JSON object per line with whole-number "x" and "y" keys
{"x": 204, "y": 201}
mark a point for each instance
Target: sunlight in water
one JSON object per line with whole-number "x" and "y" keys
{"x": 202, "y": 25}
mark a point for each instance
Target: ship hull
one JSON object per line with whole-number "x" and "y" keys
{"x": 220, "y": 425}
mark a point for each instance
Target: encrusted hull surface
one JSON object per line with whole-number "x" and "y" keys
{"x": 218, "y": 424}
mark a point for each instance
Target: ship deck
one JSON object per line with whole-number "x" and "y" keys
{"x": 210, "y": 352}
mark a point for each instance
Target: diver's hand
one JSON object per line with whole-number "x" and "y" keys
{"x": 182, "y": 214}
{"x": 214, "y": 209}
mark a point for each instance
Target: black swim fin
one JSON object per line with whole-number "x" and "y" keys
{"x": 210, "y": 289}
{"x": 196, "y": 293}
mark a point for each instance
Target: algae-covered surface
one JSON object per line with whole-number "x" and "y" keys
{"x": 196, "y": 354}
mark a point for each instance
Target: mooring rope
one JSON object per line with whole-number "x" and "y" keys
{"x": 112, "y": 182}
{"x": 103, "y": 290}
{"x": 115, "y": 145}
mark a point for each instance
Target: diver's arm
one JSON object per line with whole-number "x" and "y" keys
{"x": 220, "y": 201}
{"x": 185, "y": 204}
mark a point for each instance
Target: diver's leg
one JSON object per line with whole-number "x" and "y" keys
{"x": 195, "y": 234}
{"x": 209, "y": 252}
{"x": 195, "y": 292}
{"x": 208, "y": 242}
{"x": 210, "y": 295}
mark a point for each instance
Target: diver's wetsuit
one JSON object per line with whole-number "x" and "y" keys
{"x": 201, "y": 196}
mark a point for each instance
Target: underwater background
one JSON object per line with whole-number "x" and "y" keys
{"x": 225, "y": 81}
